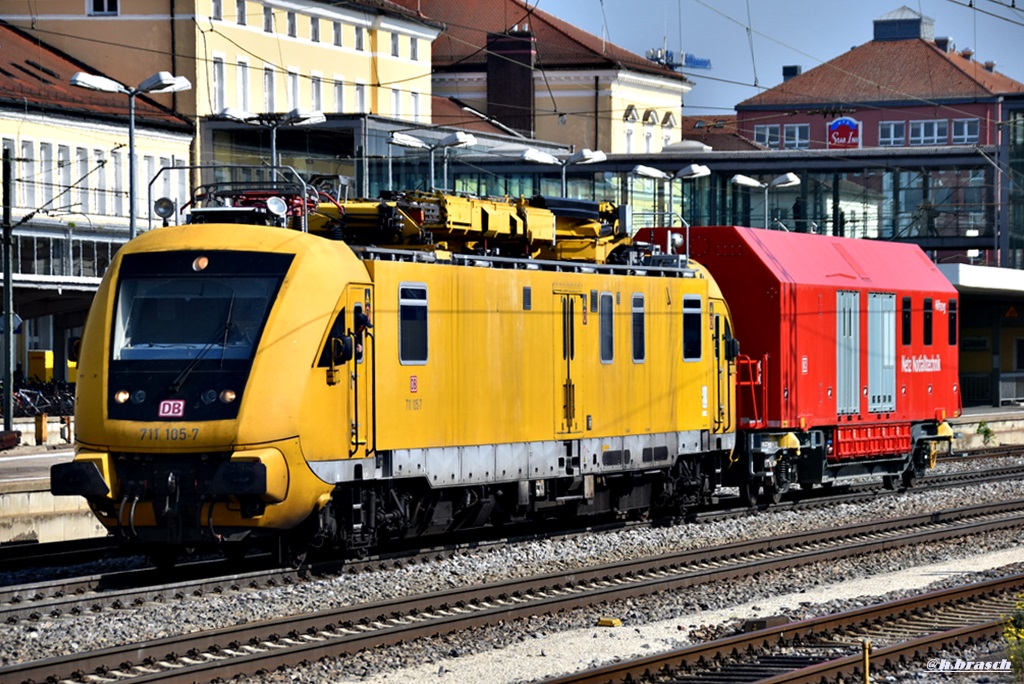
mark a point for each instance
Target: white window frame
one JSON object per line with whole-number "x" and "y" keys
{"x": 294, "y": 93}
{"x": 414, "y": 48}
{"x": 339, "y": 93}
{"x": 81, "y": 192}
{"x": 929, "y": 132}
{"x": 395, "y": 50}
{"x": 240, "y": 12}
{"x": 396, "y": 103}
{"x": 361, "y": 104}
{"x": 314, "y": 29}
{"x": 797, "y": 136}
{"x": 887, "y": 133}
{"x": 118, "y": 183}
{"x": 966, "y": 131}
{"x": 338, "y": 29}
{"x": 217, "y": 10}
{"x": 269, "y": 88}
{"x": 630, "y": 132}
{"x": 767, "y": 135}
{"x": 102, "y": 8}
{"x": 242, "y": 84}
{"x": 268, "y": 19}
{"x": 27, "y": 174}
{"x": 293, "y": 24}
{"x": 101, "y": 181}
{"x": 414, "y": 101}
{"x": 316, "y": 90}
{"x": 217, "y": 82}
{"x": 360, "y": 39}
{"x": 46, "y": 173}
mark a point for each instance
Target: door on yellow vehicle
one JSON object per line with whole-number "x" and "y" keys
{"x": 571, "y": 312}
{"x": 720, "y": 402}
{"x": 359, "y": 327}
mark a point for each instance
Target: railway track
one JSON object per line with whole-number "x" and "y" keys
{"x": 885, "y": 636}
{"x": 251, "y": 648}
{"x": 93, "y": 593}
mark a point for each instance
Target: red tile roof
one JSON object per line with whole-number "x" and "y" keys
{"x": 35, "y": 76}
{"x": 887, "y": 71}
{"x": 560, "y": 45}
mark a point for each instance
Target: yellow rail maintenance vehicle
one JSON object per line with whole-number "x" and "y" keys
{"x": 295, "y": 367}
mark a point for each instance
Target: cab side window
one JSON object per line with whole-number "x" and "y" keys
{"x": 412, "y": 324}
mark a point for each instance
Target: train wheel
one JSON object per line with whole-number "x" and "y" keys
{"x": 772, "y": 494}
{"x": 909, "y": 477}
{"x": 748, "y": 493}
{"x": 889, "y": 482}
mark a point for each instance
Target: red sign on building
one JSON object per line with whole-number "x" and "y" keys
{"x": 844, "y": 133}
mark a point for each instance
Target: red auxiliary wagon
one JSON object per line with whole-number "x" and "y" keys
{"x": 849, "y": 356}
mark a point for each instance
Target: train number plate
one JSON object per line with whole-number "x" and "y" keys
{"x": 171, "y": 408}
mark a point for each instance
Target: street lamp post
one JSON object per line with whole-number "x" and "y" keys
{"x": 688, "y": 172}
{"x": 273, "y": 121}
{"x": 583, "y": 156}
{"x": 456, "y": 139}
{"x": 160, "y": 82}
{"x": 786, "y": 180}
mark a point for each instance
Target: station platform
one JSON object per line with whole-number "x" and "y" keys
{"x": 28, "y": 512}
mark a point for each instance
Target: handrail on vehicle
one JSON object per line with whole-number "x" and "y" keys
{"x": 751, "y": 373}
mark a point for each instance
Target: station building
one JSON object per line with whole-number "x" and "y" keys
{"x": 931, "y": 165}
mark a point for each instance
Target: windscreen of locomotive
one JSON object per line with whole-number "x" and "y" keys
{"x": 181, "y": 318}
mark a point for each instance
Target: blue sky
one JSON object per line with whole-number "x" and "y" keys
{"x": 784, "y": 32}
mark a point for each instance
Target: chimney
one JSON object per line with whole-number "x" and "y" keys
{"x": 945, "y": 43}
{"x": 510, "y": 91}
{"x": 789, "y": 72}
{"x": 967, "y": 53}
{"x": 990, "y": 66}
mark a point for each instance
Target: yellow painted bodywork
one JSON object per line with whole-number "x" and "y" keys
{"x": 495, "y": 373}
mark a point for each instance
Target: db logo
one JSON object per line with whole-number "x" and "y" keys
{"x": 171, "y": 408}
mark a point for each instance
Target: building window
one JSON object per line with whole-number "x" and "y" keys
{"x": 337, "y": 33}
{"x": 360, "y": 98}
{"x": 28, "y": 174}
{"x": 293, "y": 89}
{"x": 118, "y": 189}
{"x": 82, "y": 188}
{"x": 965, "y": 131}
{"x": 314, "y": 29}
{"x": 414, "y": 48}
{"x": 412, "y": 324}
{"x": 396, "y": 103}
{"x": 46, "y": 172}
{"x": 101, "y": 181}
{"x": 316, "y": 86}
{"x": 240, "y": 12}
{"x": 217, "y": 76}
{"x": 907, "y": 318}
{"x": 293, "y": 25}
{"x": 102, "y": 7}
{"x": 692, "y": 329}
{"x": 767, "y": 135}
{"x": 892, "y": 134}
{"x": 414, "y": 99}
{"x": 798, "y": 136}
{"x": 630, "y": 130}
{"x": 607, "y": 328}
{"x": 243, "y": 84}
{"x": 359, "y": 38}
{"x": 268, "y": 90}
{"x": 929, "y": 132}
{"x": 639, "y": 333}
{"x": 339, "y": 94}
{"x": 648, "y": 138}
{"x": 217, "y": 9}
{"x": 394, "y": 44}
{"x": 268, "y": 19}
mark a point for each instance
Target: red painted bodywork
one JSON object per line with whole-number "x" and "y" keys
{"x": 781, "y": 289}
